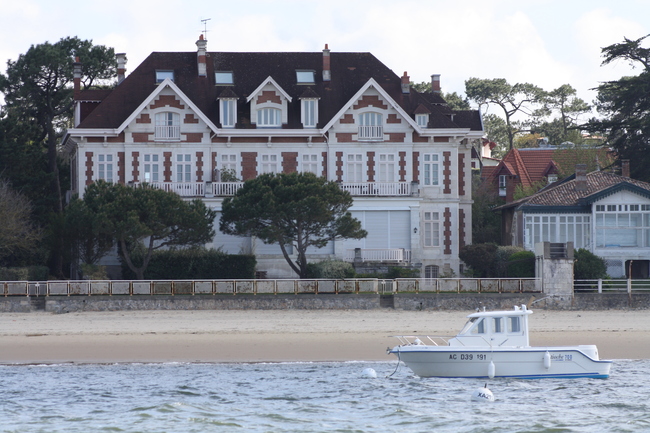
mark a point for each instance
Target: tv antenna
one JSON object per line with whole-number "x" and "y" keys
{"x": 205, "y": 28}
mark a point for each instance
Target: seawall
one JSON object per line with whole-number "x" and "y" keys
{"x": 403, "y": 301}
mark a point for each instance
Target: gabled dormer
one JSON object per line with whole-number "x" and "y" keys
{"x": 227, "y": 108}
{"x": 269, "y": 105}
{"x": 309, "y": 108}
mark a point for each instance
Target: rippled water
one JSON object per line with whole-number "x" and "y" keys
{"x": 310, "y": 397}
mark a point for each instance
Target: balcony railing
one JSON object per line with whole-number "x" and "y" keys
{"x": 221, "y": 189}
{"x": 371, "y": 133}
{"x": 168, "y": 132}
{"x": 377, "y": 188}
{"x": 393, "y": 255}
{"x": 184, "y": 189}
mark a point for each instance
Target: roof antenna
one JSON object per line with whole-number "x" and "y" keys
{"x": 205, "y": 28}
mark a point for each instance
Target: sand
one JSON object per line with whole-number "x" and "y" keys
{"x": 283, "y": 335}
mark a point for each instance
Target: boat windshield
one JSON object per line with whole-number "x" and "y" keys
{"x": 468, "y": 325}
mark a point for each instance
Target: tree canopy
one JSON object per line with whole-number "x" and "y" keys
{"x": 147, "y": 218}
{"x": 18, "y": 235}
{"x": 296, "y": 210}
{"x": 625, "y": 106}
{"x": 513, "y": 99}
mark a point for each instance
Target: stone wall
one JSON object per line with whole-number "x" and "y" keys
{"x": 401, "y": 301}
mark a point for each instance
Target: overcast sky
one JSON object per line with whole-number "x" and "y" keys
{"x": 544, "y": 42}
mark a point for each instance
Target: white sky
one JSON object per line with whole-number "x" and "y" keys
{"x": 544, "y": 42}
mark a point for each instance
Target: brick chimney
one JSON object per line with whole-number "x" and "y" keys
{"x": 435, "y": 83}
{"x": 202, "y": 44}
{"x": 327, "y": 73}
{"x": 121, "y": 67}
{"x": 406, "y": 83}
{"x": 76, "y": 80}
{"x": 581, "y": 177}
{"x": 625, "y": 168}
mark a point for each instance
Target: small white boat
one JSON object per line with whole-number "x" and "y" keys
{"x": 495, "y": 344}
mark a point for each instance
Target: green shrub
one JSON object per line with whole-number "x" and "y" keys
{"x": 400, "y": 272}
{"x": 501, "y": 257}
{"x": 31, "y": 273}
{"x": 480, "y": 257}
{"x": 522, "y": 265}
{"x": 330, "y": 269}
{"x": 588, "y": 266}
{"x": 194, "y": 264}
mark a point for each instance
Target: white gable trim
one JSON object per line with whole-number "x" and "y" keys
{"x": 372, "y": 83}
{"x": 271, "y": 81}
{"x": 167, "y": 83}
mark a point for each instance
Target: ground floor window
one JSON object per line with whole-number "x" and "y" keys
{"x": 431, "y": 271}
{"x": 557, "y": 228}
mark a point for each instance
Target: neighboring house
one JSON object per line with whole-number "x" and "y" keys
{"x": 181, "y": 121}
{"x": 536, "y": 167}
{"x": 482, "y": 155}
{"x": 602, "y": 212}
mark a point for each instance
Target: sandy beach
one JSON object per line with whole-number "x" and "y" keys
{"x": 283, "y": 335}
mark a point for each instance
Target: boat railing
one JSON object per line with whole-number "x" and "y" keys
{"x": 415, "y": 340}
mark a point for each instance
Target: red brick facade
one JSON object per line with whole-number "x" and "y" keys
{"x": 461, "y": 228}
{"x": 446, "y": 172}
{"x": 135, "y": 166}
{"x": 370, "y": 101}
{"x": 447, "y": 230}
{"x": 120, "y": 167}
{"x": 167, "y": 166}
{"x": 269, "y": 96}
{"x": 199, "y": 166}
{"x": 167, "y": 101}
{"x": 289, "y": 162}
{"x": 371, "y": 166}
{"x": 461, "y": 174}
{"x": 248, "y": 165}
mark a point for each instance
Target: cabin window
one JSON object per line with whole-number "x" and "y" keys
{"x": 479, "y": 328}
{"x": 497, "y": 324}
{"x": 513, "y": 325}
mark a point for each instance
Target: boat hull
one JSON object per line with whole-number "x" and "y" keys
{"x": 525, "y": 363}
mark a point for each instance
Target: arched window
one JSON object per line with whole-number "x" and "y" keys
{"x": 371, "y": 126}
{"x": 269, "y": 117}
{"x": 431, "y": 271}
{"x": 168, "y": 126}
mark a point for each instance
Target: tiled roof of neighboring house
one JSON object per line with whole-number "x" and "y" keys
{"x": 349, "y": 72}
{"x": 598, "y": 183}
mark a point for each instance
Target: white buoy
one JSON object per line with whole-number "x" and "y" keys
{"x": 547, "y": 360}
{"x": 491, "y": 370}
{"x": 369, "y": 373}
{"x": 483, "y": 394}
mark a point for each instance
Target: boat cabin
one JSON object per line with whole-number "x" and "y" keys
{"x": 495, "y": 329}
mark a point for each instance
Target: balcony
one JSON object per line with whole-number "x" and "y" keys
{"x": 383, "y": 255}
{"x": 228, "y": 189}
{"x": 384, "y": 189}
{"x": 371, "y": 133}
{"x": 167, "y": 133}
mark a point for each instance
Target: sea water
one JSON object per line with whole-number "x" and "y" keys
{"x": 311, "y": 397}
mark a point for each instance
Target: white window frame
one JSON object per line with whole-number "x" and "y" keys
{"x": 431, "y": 169}
{"x": 371, "y": 126}
{"x": 304, "y": 76}
{"x": 354, "y": 168}
{"x": 269, "y": 163}
{"x": 503, "y": 179}
{"x": 269, "y": 117}
{"x": 228, "y": 112}
{"x": 559, "y": 228}
{"x": 224, "y": 78}
{"x": 309, "y": 112}
{"x": 106, "y": 167}
{"x": 387, "y": 167}
{"x": 431, "y": 229}
{"x": 309, "y": 163}
{"x": 151, "y": 167}
{"x": 422, "y": 120}
{"x": 431, "y": 271}
{"x": 183, "y": 167}
{"x": 161, "y": 75}
{"x": 622, "y": 226}
{"x": 168, "y": 126}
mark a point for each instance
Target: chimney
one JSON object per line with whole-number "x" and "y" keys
{"x": 201, "y": 56}
{"x": 406, "y": 83}
{"x": 327, "y": 73}
{"x": 581, "y": 177}
{"x": 76, "y": 77}
{"x": 625, "y": 168}
{"x": 435, "y": 83}
{"x": 121, "y": 67}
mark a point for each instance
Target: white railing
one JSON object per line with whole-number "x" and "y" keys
{"x": 225, "y": 188}
{"x": 184, "y": 189}
{"x": 371, "y": 133}
{"x": 166, "y": 132}
{"x": 396, "y": 255}
{"x": 377, "y": 188}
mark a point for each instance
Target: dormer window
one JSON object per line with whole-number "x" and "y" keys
{"x": 305, "y": 77}
{"x": 228, "y": 112}
{"x": 224, "y": 78}
{"x": 309, "y": 113}
{"x": 269, "y": 118}
{"x": 164, "y": 74}
{"x": 422, "y": 120}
